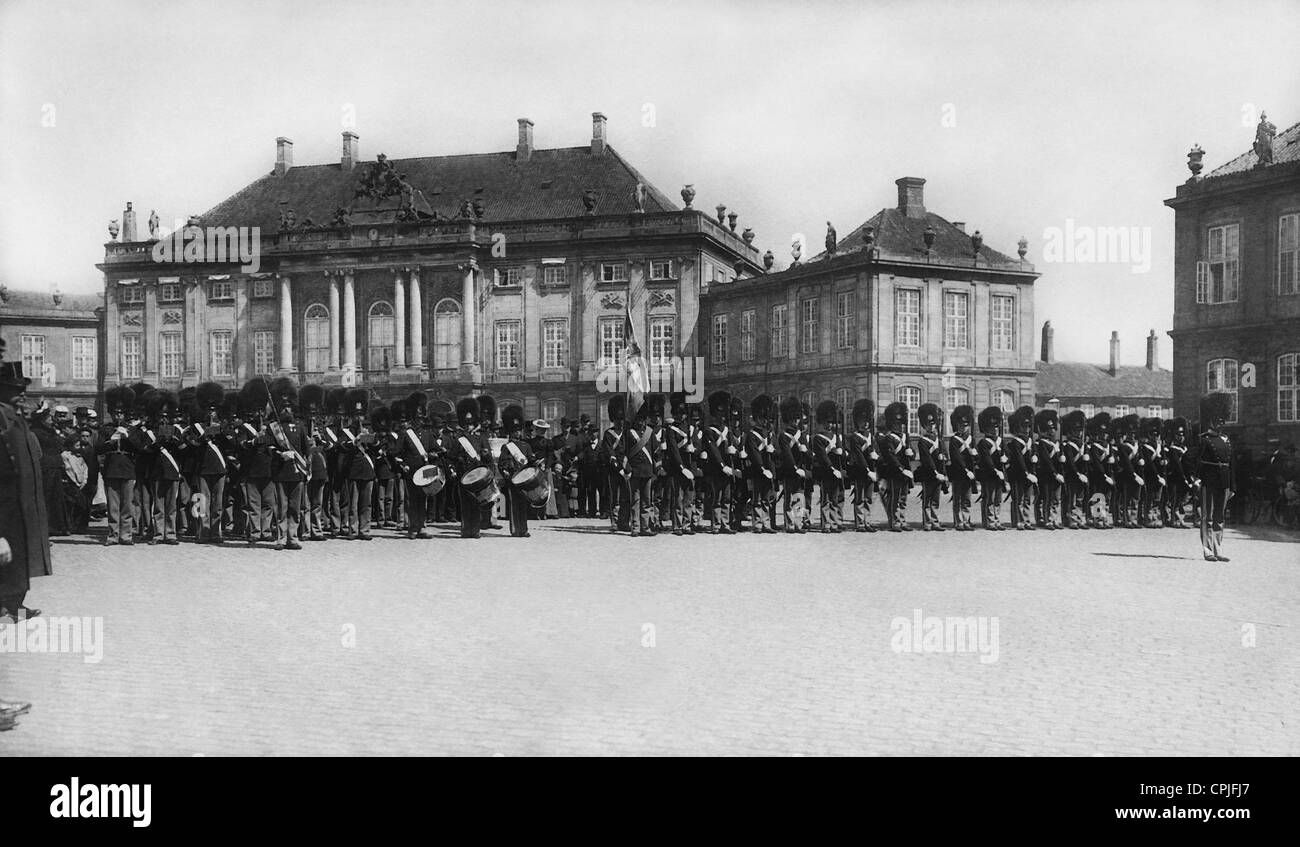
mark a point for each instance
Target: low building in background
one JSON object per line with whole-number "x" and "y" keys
{"x": 58, "y": 339}
{"x": 1114, "y": 388}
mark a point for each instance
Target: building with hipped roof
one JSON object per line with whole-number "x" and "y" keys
{"x": 1114, "y": 388}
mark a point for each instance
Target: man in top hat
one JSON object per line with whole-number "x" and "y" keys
{"x": 1177, "y": 479}
{"x": 118, "y": 446}
{"x": 1074, "y": 471}
{"x": 760, "y": 463}
{"x": 1050, "y": 468}
{"x": 639, "y": 454}
{"x": 1101, "y": 471}
{"x": 792, "y": 464}
{"x": 932, "y": 473}
{"x": 50, "y": 440}
{"x": 896, "y": 466}
{"x": 962, "y": 463}
{"x": 990, "y": 473}
{"x": 468, "y": 449}
{"x": 1154, "y": 473}
{"x": 717, "y": 464}
{"x": 24, "y": 536}
{"x": 1129, "y": 478}
{"x": 620, "y": 494}
{"x": 165, "y": 445}
{"x": 1020, "y": 471}
{"x": 516, "y": 455}
{"x": 1214, "y": 468}
{"x": 826, "y": 467}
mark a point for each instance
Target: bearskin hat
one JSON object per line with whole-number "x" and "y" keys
{"x": 1128, "y": 424}
{"x": 400, "y": 410}
{"x": 790, "y": 409}
{"x": 805, "y": 411}
{"x": 737, "y": 408}
{"x": 990, "y": 418}
{"x": 381, "y": 417}
{"x": 1152, "y": 426}
{"x": 760, "y": 408}
{"x": 333, "y": 403}
{"x": 1215, "y": 407}
{"x": 1099, "y": 423}
{"x": 230, "y": 405}
{"x": 209, "y": 395}
{"x": 355, "y": 402}
{"x": 1022, "y": 418}
{"x": 961, "y": 415}
{"x": 677, "y": 403}
{"x": 284, "y": 391}
{"x": 1074, "y": 421}
{"x": 864, "y": 411}
{"x": 255, "y": 395}
{"x": 120, "y": 398}
{"x": 440, "y": 410}
{"x": 312, "y": 397}
{"x": 828, "y": 411}
{"x": 719, "y": 404}
{"x": 487, "y": 408}
{"x": 140, "y": 389}
{"x": 1045, "y": 420}
{"x": 1173, "y": 427}
{"x": 417, "y": 400}
{"x": 654, "y": 405}
{"x": 157, "y": 401}
{"x": 929, "y": 414}
{"x": 616, "y": 408}
{"x": 467, "y": 410}
{"x": 512, "y": 418}
{"x": 896, "y": 414}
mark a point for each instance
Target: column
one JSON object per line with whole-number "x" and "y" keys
{"x": 417, "y": 322}
{"x": 349, "y": 321}
{"x": 334, "y": 319}
{"x": 399, "y": 319}
{"x": 469, "y": 313}
{"x": 286, "y": 326}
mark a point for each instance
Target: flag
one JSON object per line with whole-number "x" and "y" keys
{"x": 636, "y": 378}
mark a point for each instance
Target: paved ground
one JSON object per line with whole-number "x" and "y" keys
{"x": 579, "y": 642}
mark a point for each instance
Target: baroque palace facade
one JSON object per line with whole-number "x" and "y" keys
{"x": 909, "y": 306}
{"x": 508, "y": 273}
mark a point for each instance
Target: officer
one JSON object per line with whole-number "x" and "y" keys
{"x": 1214, "y": 468}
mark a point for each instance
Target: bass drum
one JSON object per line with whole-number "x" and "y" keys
{"x": 478, "y": 482}
{"x": 430, "y": 478}
{"x": 532, "y": 485}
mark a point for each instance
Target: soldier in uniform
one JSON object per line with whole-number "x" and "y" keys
{"x": 1129, "y": 465}
{"x": 487, "y": 411}
{"x": 360, "y": 450}
{"x": 118, "y": 446}
{"x": 516, "y": 455}
{"x": 962, "y": 460}
{"x": 469, "y": 449}
{"x": 863, "y": 459}
{"x": 740, "y": 494}
{"x": 896, "y": 466}
{"x": 826, "y": 469}
{"x": 1175, "y": 496}
{"x": 792, "y": 465}
{"x": 620, "y": 495}
{"x": 1214, "y": 468}
{"x": 312, "y": 398}
{"x": 636, "y": 451}
{"x": 1020, "y": 473}
{"x": 385, "y": 479}
{"x": 989, "y": 468}
{"x": 1074, "y": 471}
{"x": 1154, "y": 469}
{"x": 208, "y": 445}
{"x": 717, "y": 464}
{"x": 1050, "y": 469}
{"x": 253, "y": 444}
{"x": 165, "y": 444}
{"x": 1101, "y": 471}
{"x": 679, "y": 467}
{"x": 809, "y": 481}
{"x": 142, "y": 507}
{"x": 760, "y": 463}
{"x": 415, "y": 448}
{"x": 933, "y": 471}
{"x": 290, "y": 465}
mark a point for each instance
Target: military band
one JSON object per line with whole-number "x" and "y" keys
{"x": 275, "y": 463}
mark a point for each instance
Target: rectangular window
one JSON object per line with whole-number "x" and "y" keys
{"x": 1003, "y": 324}
{"x": 1088, "y": 409}
{"x": 507, "y": 345}
{"x": 844, "y": 400}
{"x": 661, "y": 341}
{"x": 169, "y": 292}
{"x": 264, "y": 351}
{"x": 747, "y": 335}
{"x": 1155, "y": 412}
{"x": 911, "y": 395}
{"x": 555, "y": 343}
{"x": 1288, "y": 386}
{"x": 1222, "y": 375}
{"x": 132, "y": 356}
{"x": 954, "y": 397}
{"x": 611, "y": 340}
{"x": 1224, "y": 264}
{"x": 613, "y": 272}
{"x": 263, "y": 288}
{"x": 33, "y": 356}
{"x": 845, "y": 319}
{"x": 661, "y": 269}
{"x": 778, "y": 337}
{"x": 171, "y": 355}
{"x": 810, "y": 311}
{"x": 719, "y": 339}
{"x": 956, "y": 324}
{"x": 221, "y": 289}
{"x": 907, "y": 318}
{"x": 508, "y": 277}
{"x": 1288, "y": 254}
{"x": 555, "y": 275}
{"x": 85, "y": 355}
{"x": 223, "y": 363}
{"x": 1121, "y": 410}
{"x": 127, "y": 294}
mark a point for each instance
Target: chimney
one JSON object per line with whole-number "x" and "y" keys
{"x": 283, "y": 155}
{"x": 1114, "y": 352}
{"x": 1151, "y": 351}
{"x": 128, "y": 225}
{"x": 597, "y": 134}
{"x": 524, "y": 150}
{"x": 351, "y": 151}
{"x": 961, "y": 225}
{"x": 1049, "y": 348}
{"x": 911, "y": 196}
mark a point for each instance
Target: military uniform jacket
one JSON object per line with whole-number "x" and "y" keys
{"x": 989, "y": 461}
{"x": 469, "y": 449}
{"x": 318, "y": 456}
{"x": 287, "y": 470}
{"x": 825, "y": 453}
{"x": 414, "y": 449}
{"x": 118, "y": 457}
{"x": 863, "y": 456}
{"x": 639, "y": 451}
{"x": 1051, "y": 460}
{"x": 165, "y": 444}
{"x": 760, "y": 454}
{"x": 253, "y": 449}
{"x": 1214, "y": 461}
{"x": 1101, "y": 467}
{"x": 1017, "y": 453}
{"x": 933, "y": 460}
{"x": 210, "y": 449}
{"x": 895, "y": 456}
{"x": 1074, "y": 462}
{"x": 961, "y": 458}
{"x": 1176, "y": 466}
{"x": 360, "y": 460}
{"x": 716, "y": 443}
{"x": 383, "y": 452}
{"x": 1128, "y": 462}
{"x": 510, "y": 463}
{"x": 608, "y": 452}
{"x": 791, "y": 452}
{"x": 1154, "y": 461}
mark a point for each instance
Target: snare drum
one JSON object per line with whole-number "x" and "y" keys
{"x": 478, "y": 482}
{"x": 532, "y": 484}
{"x": 430, "y": 478}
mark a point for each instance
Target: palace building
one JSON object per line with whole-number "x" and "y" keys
{"x": 511, "y": 273}
{"x": 1237, "y": 286}
{"x": 909, "y": 306}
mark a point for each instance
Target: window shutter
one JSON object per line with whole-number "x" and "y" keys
{"x": 1202, "y": 281}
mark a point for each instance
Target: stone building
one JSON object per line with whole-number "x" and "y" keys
{"x": 1114, "y": 388}
{"x": 1237, "y": 286}
{"x": 509, "y": 273}
{"x": 58, "y": 339}
{"x": 908, "y": 306}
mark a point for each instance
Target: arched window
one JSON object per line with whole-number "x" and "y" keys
{"x": 911, "y": 395}
{"x": 1005, "y": 399}
{"x": 552, "y": 411}
{"x": 446, "y": 334}
{"x": 1221, "y": 375}
{"x": 1288, "y": 386}
{"x": 954, "y": 397}
{"x": 380, "y": 336}
{"x": 316, "y": 338}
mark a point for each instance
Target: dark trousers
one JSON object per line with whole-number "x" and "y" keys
{"x": 56, "y": 509}
{"x": 991, "y": 504}
{"x": 384, "y": 500}
{"x": 470, "y": 515}
{"x": 896, "y": 490}
{"x": 316, "y": 491}
{"x": 288, "y": 509}
{"x": 164, "y": 516}
{"x": 761, "y": 504}
{"x": 415, "y": 506}
{"x": 259, "y": 497}
{"x": 1212, "y": 502}
{"x": 717, "y": 500}
{"x": 213, "y": 490}
{"x": 121, "y": 522}
{"x": 792, "y": 503}
{"x": 359, "y": 494}
{"x": 639, "y": 504}
{"x": 620, "y": 502}
{"x": 1047, "y": 501}
{"x": 517, "y": 509}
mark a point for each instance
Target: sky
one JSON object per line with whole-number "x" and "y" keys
{"x": 1021, "y": 116}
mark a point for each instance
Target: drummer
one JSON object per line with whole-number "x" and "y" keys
{"x": 516, "y": 455}
{"x": 469, "y": 450}
{"x": 415, "y": 449}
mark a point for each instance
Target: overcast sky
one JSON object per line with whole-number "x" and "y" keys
{"x": 1019, "y": 115}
